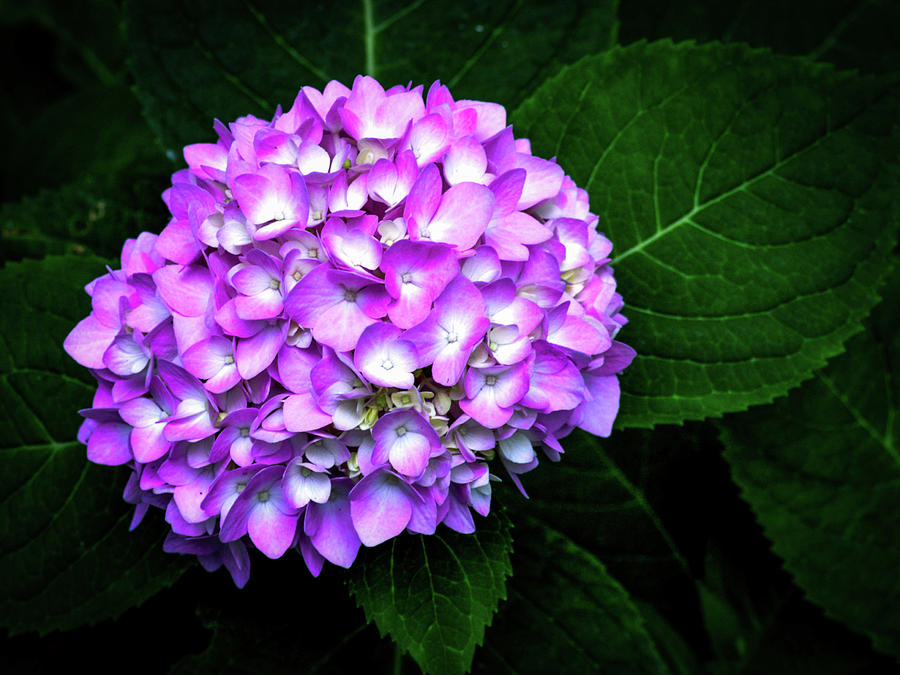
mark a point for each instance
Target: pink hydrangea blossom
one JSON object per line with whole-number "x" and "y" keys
{"x": 360, "y": 314}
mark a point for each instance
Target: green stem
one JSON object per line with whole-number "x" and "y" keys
{"x": 398, "y": 660}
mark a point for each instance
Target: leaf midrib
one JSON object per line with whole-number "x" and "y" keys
{"x": 886, "y": 442}
{"x": 744, "y": 185}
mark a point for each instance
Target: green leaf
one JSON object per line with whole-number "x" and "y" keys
{"x": 94, "y": 215}
{"x": 222, "y": 58}
{"x": 820, "y": 469}
{"x": 671, "y": 645}
{"x": 743, "y": 193}
{"x": 759, "y": 623}
{"x": 66, "y": 556}
{"x": 850, "y": 34}
{"x": 610, "y": 496}
{"x": 436, "y": 594}
{"x": 97, "y": 131}
{"x": 565, "y": 614}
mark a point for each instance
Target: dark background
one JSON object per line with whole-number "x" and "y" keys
{"x": 70, "y": 120}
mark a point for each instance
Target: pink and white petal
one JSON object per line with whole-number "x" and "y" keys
{"x": 88, "y": 341}
{"x": 465, "y": 161}
{"x": 382, "y": 182}
{"x": 340, "y": 326}
{"x": 201, "y": 155}
{"x": 462, "y": 216}
{"x": 110, "y": 444}
{"x": 224, "y": 380}
{"x": 265, "y": 305}
{"x": 543, "y": 181}
{"x": 253, "y": 355}
{"x": 484, "y": 266}
{"x": 409, "y": 454}
{"x": 491, "y": 118}
{"x": 301, "y": 413}
{"x": 396, "y": 112}
{"x": 583, "y": 335}
{"x": 271, "y": 530}
{"x": 380, "y": 506}
{"x": 512, "y": 385}
{"x": 141, "y": 412}
{"x": 449, "y": 364}
{"x": 483, "y": 408}
{"x": 507, "y": 189}
{"x": 192, "y": 428}
{"x": 312, "y": 158}
{"x": 207, "y": 357}
{"x": 411, "y": 307}
{"x": 251, "y": 280}
{"x": 335, "y": 537}
{"x": 177, "y": 243}
{"x": 597, "y": 415}
{"x": 429, "y": 138}
{"x": 257, "y": 198}
{"x": 149, "y": 443}
{"x": 186, "y": 289}
{"x": 423, "y": 199}
{"x": 314, "y": 294}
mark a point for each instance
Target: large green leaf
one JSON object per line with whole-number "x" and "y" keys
{"x": 741, "y": 190}
{"x": 436, "y": 594}
{"x": 849, "y": 33}
{"x": 565, "y": 614}
{"x": 758, "y": 622}
{"x": 821, "y": 470}
{"x": 96, "y": 131}
{"x": 66, "y": 557}
{"x": 91, "y": 216}
{"x": 611, "y": 497}
{"x": 223, "y": 58}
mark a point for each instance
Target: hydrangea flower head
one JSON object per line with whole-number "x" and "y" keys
{"x": 361, "y": 313}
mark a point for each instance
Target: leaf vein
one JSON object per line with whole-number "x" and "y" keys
{"x": 284, "y": 45}
{"x": 484, "y": 46}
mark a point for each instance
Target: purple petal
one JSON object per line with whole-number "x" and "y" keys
{"x": 253, "y": 355}
{"x": 177, "y": 243}
{"x": 302, "y": 413}
{"x": 330, "y": 526}
{"x": 555, "y": 383}
{"x": 340, "y": 326}
{"x": 271, "y": 530}
{"x": 383, "y": 359}
{"x": 543, "y": 181}
{"x": 423, "y": 199}
{"x": 429, "y": 138}
{"x": 598, "y": 414}
{"x": 186, "y": 289}
{"x": 88, "y": 341}
{"x": 149, "y": 443}
{"x": 465, "y": 161}
{"x": 207, "y": 357}
{"x": 462, "y": 216}
{"x": 491, "y": 118}
{"x": 314, "y": 293}
{"x": 381, "y": 507}
{"x": 109, "y": 444}
{"x": 416, "y": 272}
{"x": 615, "y": 359}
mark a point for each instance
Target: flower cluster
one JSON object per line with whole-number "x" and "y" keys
{"x": 358, "y": 310}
